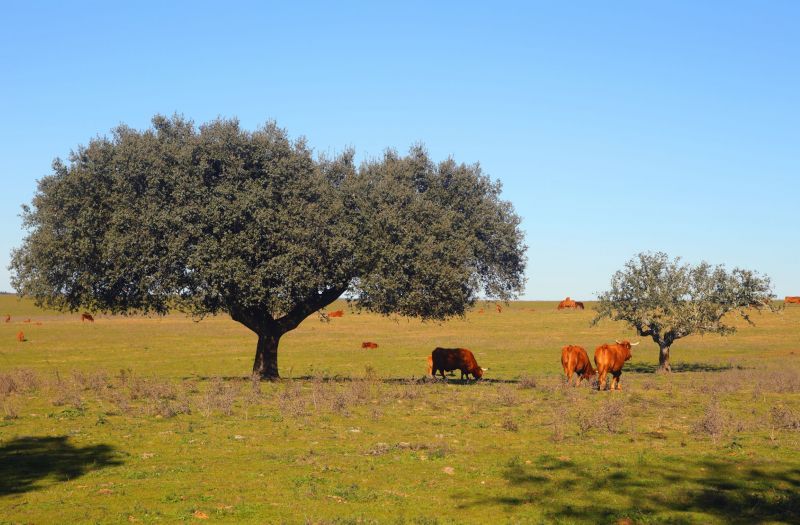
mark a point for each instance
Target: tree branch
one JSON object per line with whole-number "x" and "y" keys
{"x": 295, "y": 316}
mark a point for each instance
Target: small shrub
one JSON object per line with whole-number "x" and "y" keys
{"x": 506, "y": 396}
{"x": 714, "y": 421}
{"x": 27, "y": 380}
{"x": 291, "y": 401}
{"x": 7, "y": 384}
{"x": 610, "y": 414}
{"x": 783, "y": 417}
{"x": 527, "y": 382}
{"x": 409, "y": 390}
{"x": 510, "y": 425}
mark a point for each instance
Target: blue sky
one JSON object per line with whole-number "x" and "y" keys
{"x": 615, "y": 127}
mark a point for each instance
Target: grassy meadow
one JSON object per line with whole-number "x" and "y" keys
{"x": 144, "y": 420}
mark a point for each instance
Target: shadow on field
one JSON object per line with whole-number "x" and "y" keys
{"x": 452, "y": 379}
{"x": 643, "y": 368}
{"x": 25, "y": 462}
{"x": 728, "y": 491}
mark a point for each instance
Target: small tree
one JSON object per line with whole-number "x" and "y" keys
{"x": 666, "y": 300}
{"x": 218, "y": 219}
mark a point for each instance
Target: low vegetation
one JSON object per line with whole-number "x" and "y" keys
{"x": 360, "y": 436}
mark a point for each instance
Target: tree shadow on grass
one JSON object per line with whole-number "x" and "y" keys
{"x": 27, "y": 462}
{"x": 645, "y": 368}
{"x": 704, "y": 488}
{"x": 451, "y": 379}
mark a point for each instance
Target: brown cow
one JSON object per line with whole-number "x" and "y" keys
{"x": 87, "y": 317}
{"x": 611, "y": 358}
{"x": 21, "y": 336}
{"x": 499, "y": 308}
{"x": 566, "y": 303}
{"x": 579, "y": 305}
{"x": 8, "y": 318}
{"x": 27, "y": 320}
{"x": 336, "y": 313}
{"x": 792, "y": 299}
{"x": 575, "y": 360}
{"x": 368, "y": 344}
{"x": 447, "y": 359}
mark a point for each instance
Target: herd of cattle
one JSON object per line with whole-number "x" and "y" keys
{"x": 608, "y": 358}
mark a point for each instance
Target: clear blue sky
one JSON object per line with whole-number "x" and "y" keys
{"x": 615, "y": 127}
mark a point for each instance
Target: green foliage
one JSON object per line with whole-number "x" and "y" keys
{"x": 666, "y": 300}
{"x": 219, "y": 219}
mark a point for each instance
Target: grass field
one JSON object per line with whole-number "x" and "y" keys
{"x": 133, "y": 419}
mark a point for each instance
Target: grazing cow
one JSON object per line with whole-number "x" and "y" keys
{"x": 611, "y": 358}
{"x": 337, "y": 313}
{"x": 21, "y": 336}
{"x": 368, "y": 344}
{"x": 430, "y": 365}
{"x": 575, "y": 360}
{"x": 566, "y": 303}
{"x": 27, "y": 320}
{"x": 87, "y": 317}
{"x": 448, "y": 359}
{"x": 480, "y": 311}
{"x": 579, "y": 305}
{"x": 499, "y": 308}
{"x": 792, "y": 299}
{"x": 8, "y": 318}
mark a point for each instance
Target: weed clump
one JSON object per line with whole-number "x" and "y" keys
{"x": 784, "y": 418}
{"x": 527, "y": 382}
{"x": 714, "y": 422}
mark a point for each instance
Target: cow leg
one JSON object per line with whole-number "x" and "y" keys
{"x": 615, "y": 382}
{"x": 601, "y": 380}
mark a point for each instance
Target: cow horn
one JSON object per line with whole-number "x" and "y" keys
{"x": 634, "y": 344}
{"x": 618, "y": 342}
{"x": 484, "y": 369}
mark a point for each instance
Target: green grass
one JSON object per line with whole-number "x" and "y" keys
{"x": 157, "y": 420}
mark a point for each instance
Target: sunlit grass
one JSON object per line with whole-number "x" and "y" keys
{"x": 157, "y": 420}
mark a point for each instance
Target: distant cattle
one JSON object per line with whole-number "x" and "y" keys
{"x": 87, "y": 317}
{"x": 430, "y": 365}
{"x": 566, "y": 303}
{"x": 448, "y": 359}
{"x": 575, "y": 360}
{"x": 21, "y": 336}
{"x": 27, "y": 320}
{"x": 480, "y": 311}
{"x": 499, "y": 308}
{"x": 610, "y": 359}
{"x": 579, "y": 305}
{"x": 368, "y": 344}
{"x": 8, "y": 318}
{"x": 792, "y": 299}
{"x": 336, "y": 313}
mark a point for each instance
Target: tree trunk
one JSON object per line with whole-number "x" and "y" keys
{"x": 266, "y": 362}
{"x": 663, "y": 359}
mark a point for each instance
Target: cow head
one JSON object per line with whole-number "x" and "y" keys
{"x": 626, "y": 346}
{"x": 478, "y": 372}
{"x": 589, "y": 372}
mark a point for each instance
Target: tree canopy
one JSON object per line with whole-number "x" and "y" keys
{"x": 214, "y": 218}
{"x": 666, "y": 300}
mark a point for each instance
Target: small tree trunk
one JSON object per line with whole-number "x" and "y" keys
{"x": 663, "y": 359}
{"x": 266, "y": 362}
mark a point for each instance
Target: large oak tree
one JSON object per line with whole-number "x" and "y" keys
{"x": 667, "y": 300}
{"x": 215, "y": 219}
